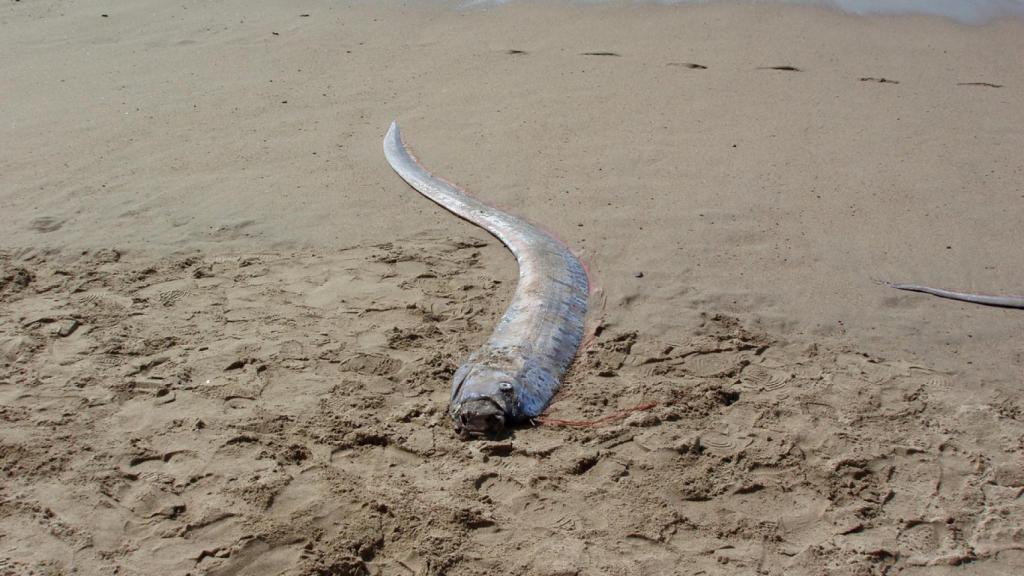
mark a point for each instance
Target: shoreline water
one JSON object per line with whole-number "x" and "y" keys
{"x": 963, "y": 11}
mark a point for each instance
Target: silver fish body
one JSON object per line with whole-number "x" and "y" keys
{"x": 516, "y": 373}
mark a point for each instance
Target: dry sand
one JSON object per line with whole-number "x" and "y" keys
{"x": 226, "y": 327}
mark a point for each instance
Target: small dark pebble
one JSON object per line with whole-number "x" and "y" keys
{"x": 638, "y": 275}
{"x": 105, "y": 15}
{"x": 68, "y": 328}
{"x": 303, "y": 15}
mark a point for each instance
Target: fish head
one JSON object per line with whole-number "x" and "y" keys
{"x": 483, "y": 400}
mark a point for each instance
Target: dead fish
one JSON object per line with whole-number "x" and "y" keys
{"x": 513, "y": 377}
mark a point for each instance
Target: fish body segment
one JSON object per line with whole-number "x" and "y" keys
{"x": 514, "y": 376}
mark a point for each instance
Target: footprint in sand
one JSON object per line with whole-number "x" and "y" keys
{"x": 757, "y": 377}
{"x": 167, "y": 293}
{"x": 721, "y": 444}
{"x": 712, "y": 364}
{"x": 929, "y": 543}
{"x": 378, "y": 460}
{"x": 546, "y": 511}
{"x": 498, "y": 489}
{"x": 103, "y": 299}
{"x": 940, "y": 382}
{"x": 291, "y": 350}
{"x": 306, "y": 492}
{"x": 372, "y": 364}
{"x": 170, "y": 297}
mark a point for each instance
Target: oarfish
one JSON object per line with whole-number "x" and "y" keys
{"x": 513, "y": 377}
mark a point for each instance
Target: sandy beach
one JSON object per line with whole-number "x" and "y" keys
{"x": 227, "y": 328}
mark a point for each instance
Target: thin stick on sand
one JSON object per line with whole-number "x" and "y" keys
{"x": 986, "y": 300}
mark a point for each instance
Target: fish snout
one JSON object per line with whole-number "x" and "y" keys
{"x": 479, "y": 417}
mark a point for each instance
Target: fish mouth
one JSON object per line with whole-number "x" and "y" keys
{"x": 479, "y": 417}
